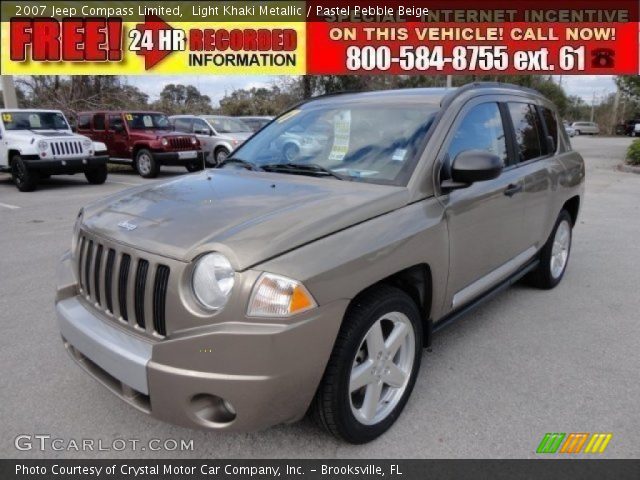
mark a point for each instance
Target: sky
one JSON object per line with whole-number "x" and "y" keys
{"x": 216, "y": 86}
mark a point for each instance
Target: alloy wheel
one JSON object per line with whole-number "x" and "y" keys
{"x": 382, "y": 368}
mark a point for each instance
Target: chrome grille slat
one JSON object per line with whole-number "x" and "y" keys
{"x": 108, "y": 279}
{"x": 87, "y": 267}
{"x": 97, "y": 274}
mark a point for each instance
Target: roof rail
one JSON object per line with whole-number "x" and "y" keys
{"x": 475, "y": 85}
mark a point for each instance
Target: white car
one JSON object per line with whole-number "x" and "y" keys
{"x": 585, "y": 128}
{"x": 218, "y": 135}
{"x": 35, "y": 144}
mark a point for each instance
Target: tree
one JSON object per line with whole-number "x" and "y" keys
{"x": 259, "y": 101}
{"x": 76, "y": 93}
{"x": 178, "y": 98}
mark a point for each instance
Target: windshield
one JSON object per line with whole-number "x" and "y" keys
{"x": 227, "y": 125}
{"x": 147, "y": 121}
{"x": 34, "y": 121}
{"x": 360, "y": 141}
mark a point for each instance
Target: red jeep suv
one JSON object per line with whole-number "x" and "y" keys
{"x": 145, "y": 139}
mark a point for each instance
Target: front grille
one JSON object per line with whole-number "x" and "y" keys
{"x": 66, "y": 148}
{"x": 181, "y": 143}
{"x": 130, "y": 289}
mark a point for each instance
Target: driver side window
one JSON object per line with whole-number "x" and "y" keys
{"x": 481, "y": 129}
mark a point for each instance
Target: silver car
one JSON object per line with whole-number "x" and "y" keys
{"x": 218, "y": 135}
{"x": 585, "y": 128}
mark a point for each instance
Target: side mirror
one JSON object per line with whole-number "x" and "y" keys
{"x": 118, "y": 128}
{"x": 473, "y": 166}
{"x": 74, "y": 129}
{"x": 551, "y": 144}
{"x": 210, "y": 133}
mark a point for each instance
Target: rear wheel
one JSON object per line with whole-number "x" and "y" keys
{"x": 97, "y": 175}
{"x": 554, "y": 256}
{"x": 373, "y": 366}
{"x": 26, "y": 180}
{"x": 146, "y": 166}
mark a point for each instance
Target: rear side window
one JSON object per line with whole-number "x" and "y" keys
{"x": 481, "y": 129}
{"x": 528, "y": 131}
{"x": 182, "y": 125}
{"x": 552, "y": 124}
{"x": 114, "y": 121}
{"x": 84, "y": 122}
{"x": 98, "y": 121}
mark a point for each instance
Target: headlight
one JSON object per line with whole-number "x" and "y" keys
{"x": 43, "y": 145}
{"x": 194, "y": 140}
{"x": 165, "y": 142}
{"x": 278, "y": 296}
{"x": 213, "y": 280}
{"x": 86, "y": 143}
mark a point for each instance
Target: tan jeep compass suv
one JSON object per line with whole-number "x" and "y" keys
{"x": 244, "y": 296}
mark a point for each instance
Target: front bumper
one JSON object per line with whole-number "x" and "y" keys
{"x": 179, "y": 158}
{"x": 66, "y": 165}
{"x": 267, "y": 371}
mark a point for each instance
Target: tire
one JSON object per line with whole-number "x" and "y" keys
{"x": 97, "y": 175}
{"x": 146, "y": 165}
{"x": 344, "y": 413}
{"x": 25, "y": 180}
{"x": 220, "y": 155}
{"x": 555, "y": 252}
{"x": 194, "y": 166}
{"x": 577, "y": 133}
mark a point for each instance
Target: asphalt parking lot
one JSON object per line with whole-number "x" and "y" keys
{"x": 526, "y": 363}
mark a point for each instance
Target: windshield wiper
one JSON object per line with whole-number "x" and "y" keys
{"x": 302, "y": 169}
{"x": 248, "y": 165}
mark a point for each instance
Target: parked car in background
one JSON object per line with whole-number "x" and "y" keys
{"x": 314, "y": 285}
{"x": 570, "y": 130}
{"x": 35, "y": 144}
{"x": 143, "y": 139}
{"x": 636, "y": 130}
{"x": 217, "y": 134}
{"x": 585, "y": 128}
{"x": 255, "y": 123}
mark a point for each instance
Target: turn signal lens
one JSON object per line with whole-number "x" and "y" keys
{"x": 278, "y": 296}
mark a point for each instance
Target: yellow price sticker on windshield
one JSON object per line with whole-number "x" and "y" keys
{"x": 6, "y": 117}
{"x": 129, "y": 117}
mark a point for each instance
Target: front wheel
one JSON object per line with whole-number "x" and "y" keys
{"x": 373, "y": 366}
{"x": 220, "y": 155}
{"x": 194, "y": 166}
{"x": 97, "y": 175}
{"x": 554, "y": 256}
{"x": 26, "y": 180}
{"x": 146, "y": 165}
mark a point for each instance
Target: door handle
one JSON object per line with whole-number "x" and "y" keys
{"x": 512, "y": 189}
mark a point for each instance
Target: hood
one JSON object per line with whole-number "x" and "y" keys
{"x": 240, "y": 136}
{"x": 40, "y": 134}
{"x": 248, "y": 216}
{"x": 158, "y": 133}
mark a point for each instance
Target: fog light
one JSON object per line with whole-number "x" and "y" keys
{"x": 212, "y": 409}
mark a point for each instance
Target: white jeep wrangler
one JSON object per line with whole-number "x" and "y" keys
{"x": 35, "y": 144}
